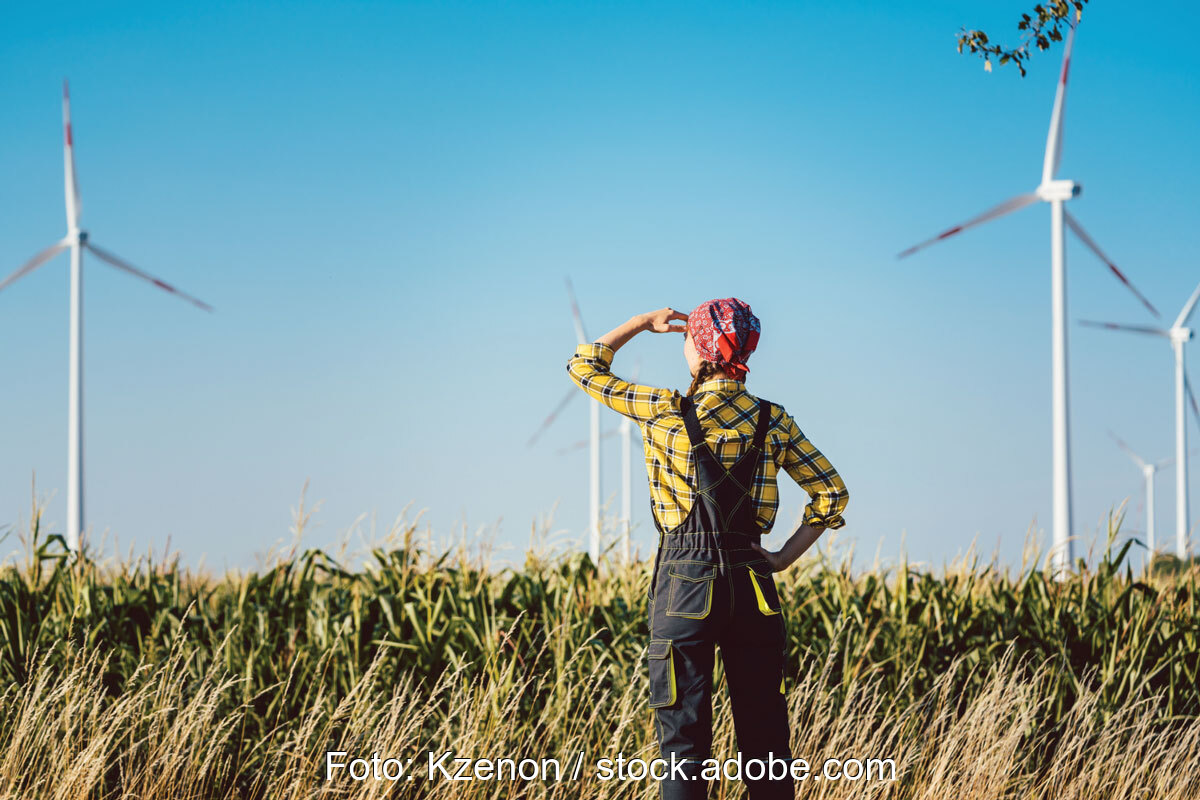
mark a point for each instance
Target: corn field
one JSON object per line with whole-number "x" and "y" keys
{"x": 144, "y": 679}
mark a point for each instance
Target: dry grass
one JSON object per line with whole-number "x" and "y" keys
{"x": 66, "y": 737}
{"x": 142, "y": 679}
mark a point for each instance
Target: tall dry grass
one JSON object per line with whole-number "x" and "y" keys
{"x": 143, "y": 679}
{"x": 65, "y": 736}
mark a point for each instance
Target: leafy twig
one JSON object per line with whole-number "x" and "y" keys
{"x": 1043, "y": 26}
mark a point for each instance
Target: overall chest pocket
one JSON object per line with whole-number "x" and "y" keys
{"x": 691, "y": 591}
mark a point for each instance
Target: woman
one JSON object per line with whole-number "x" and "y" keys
{"x": 712, "y": 457}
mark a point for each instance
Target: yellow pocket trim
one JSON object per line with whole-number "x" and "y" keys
{"x": 663, "y": 650}
{"x": 707, "y": 600}
{"x": 758, "y": 592}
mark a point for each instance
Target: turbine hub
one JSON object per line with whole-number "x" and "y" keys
{"x": 1058, "y": 190}
{"x": 82, "y": 236}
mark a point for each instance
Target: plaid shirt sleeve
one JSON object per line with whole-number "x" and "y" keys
{"x": 816, "y": 476}
{"x": 589, "y": 368}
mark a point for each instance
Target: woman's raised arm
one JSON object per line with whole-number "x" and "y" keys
{"x": 590, "y": 366}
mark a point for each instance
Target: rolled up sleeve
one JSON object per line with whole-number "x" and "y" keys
{"x": 589, "y": 368}
{"x": 810, "y": 469}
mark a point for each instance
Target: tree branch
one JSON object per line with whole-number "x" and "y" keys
{"x": 1038, "y": 29}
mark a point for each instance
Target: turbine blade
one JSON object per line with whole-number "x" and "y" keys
{"x": 1007, "y": 207}
{"x": 1114, "y": 326}
{"x": 121, "y": 264}
{"x": 1167, "y": 462}
{"x": 1188, "y": 308}
{"x": 1055, "y": 136}
{"x": 1074, "y": 225}
{"x": 72, "y": 184}
{"x": 35, "y": 262}
{"x": 1128, "y": 450}
{"x": 553, "y": 414}
{"x": 582, "y": 443}
{"x": 579, "y": 333}
{"x": 1187, "y": 384}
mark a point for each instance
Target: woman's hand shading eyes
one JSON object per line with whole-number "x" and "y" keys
{"x": 660, "y": 321}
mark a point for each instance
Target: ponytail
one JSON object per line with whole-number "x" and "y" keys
{"x": 707, "y": 370}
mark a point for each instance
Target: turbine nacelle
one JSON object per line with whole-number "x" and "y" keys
{"x": 1179, "y": 335}
{"x": 1062, "y": 190}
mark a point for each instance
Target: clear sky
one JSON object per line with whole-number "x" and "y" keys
{"x": 382, "y": 200}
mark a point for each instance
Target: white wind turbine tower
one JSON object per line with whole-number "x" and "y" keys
{"x": 77, "y": 241}
{"x": 1178, "y": 335}
{"x": 626, "y": 485}
{"x": 624, "y": 433}
{"x": 627, "y": 477}
{"x": 1055, "y": 192}
{"x": 594, "y": 454}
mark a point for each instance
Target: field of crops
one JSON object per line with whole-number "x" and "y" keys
{"x": 146, "y": 680}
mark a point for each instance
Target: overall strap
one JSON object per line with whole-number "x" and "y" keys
{"x": 691, "y": 421}
{"x": 724, "y": 495}
{"x": 764, "y": 422}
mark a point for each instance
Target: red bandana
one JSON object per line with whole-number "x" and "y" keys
{"x": 724, "y": 332}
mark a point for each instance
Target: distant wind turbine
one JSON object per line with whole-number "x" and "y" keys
{"x": 626, "y": 432}
{"x": 77, "y": 241}
{"x": 1055, "y": 192}
{"x": 1149, "y": 470}
{"x": 1178, "y": 335}
{"x": 593, "y": 438}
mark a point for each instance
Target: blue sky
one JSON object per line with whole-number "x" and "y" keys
{"x": 382, "y": 200}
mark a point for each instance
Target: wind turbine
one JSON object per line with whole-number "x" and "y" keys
{"x": 626, "y": 432}
{"x": 77, "y": 241}
{"x": 1055, "y": 192}
{"x": 593, "y": 439}
{"x": 1148, "y": 471}
{"x": 1178, "y": 335}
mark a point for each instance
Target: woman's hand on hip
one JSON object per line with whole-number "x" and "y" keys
{"x": 792, "y": 549}
{"x": 777, "y": 561}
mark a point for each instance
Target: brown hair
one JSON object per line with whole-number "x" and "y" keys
{"x": 707, "y": 370}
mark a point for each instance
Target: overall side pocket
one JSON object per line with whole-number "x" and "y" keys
{"x": 763, "y": 580}
{"x": 662, "y": 673}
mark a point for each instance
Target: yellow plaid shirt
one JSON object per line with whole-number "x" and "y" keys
{"x": 727, "y": 414}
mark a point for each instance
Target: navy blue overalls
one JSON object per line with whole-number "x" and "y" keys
{"x": 710, "y": 588}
